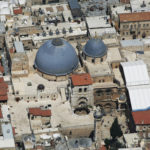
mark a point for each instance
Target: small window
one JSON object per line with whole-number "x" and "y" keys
{"x": 32, "y": 117}
{"x": 147, "y": 25}
{"x": 80, "y": 90}
{"x": 101, "y": 59}
{"x": 93, "y": 60}
{"x": 135, "y": 26}
{"x": 126, "y": 33}
{"x": 143, "y": 25}
{"x": 85, "y": 89}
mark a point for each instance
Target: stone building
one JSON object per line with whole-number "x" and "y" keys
{"x": 39, "y": 118}
{"x": 19, "y": 64}
{"x": 141, "y": 121}
{"x": 134, "y": 25}
{"x": 107, "y": 91}
{"x": 81, "y": 90}
{"x": 49, "y": 52}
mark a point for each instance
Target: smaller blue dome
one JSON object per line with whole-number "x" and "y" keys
{"x": 95, "y": 48}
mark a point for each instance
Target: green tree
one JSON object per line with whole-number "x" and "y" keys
{"x": 115, "y": 130}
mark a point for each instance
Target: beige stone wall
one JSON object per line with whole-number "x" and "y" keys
{"x": 132, "y": 48}
{"x": 28, "y": 44}
{"x": 78, "y": 131}
{"x": 81, "y": 94}
{"x": 29, "y": 30}
{"x": 115, "y": 65}
{"x": 7, "y": 148}
{"x": 19, "y": 64}
{"x": 94, "y": 60}
{"x": 138, "y": 27}
{"x": 53, "y": 78}
{"x": 102, "y": 79}
{"x": 143, "y": 131}
{"x": 107, "y": 96}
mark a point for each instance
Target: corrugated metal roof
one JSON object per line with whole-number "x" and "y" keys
{"x": 139, "y": 97}
{"x": 135, "y": 73}
{"x": 19, "y": 46}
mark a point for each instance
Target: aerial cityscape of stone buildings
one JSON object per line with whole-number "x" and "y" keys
{"x": 74, "y": 75}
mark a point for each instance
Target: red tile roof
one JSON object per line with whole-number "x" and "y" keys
{"x": 1, "y": 115}
{"x": 3, "y": 85}
{"x": 102, "y": 148}
{"x": 17, "y": 11}
{"x": 141, "y": 117}
{"x": 13, "y": 128}
{"x": 3, "y": 92}
{"x": 81, "y": 79}
{"x": 1, "y": 79}
{"x": 133, "y": 17}
{"x": 1, "y": 69}
{"x": 39, "y": 112}
{"x": 3, "y": 98}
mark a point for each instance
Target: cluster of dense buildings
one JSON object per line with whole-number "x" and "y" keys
{"x": 68, "y": 68}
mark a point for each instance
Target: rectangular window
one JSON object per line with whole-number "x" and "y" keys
{"x": 80, "y": 90}
{"x": 85, "y": 89}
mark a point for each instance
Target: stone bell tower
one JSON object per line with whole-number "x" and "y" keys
{"x": 98, "y": 114}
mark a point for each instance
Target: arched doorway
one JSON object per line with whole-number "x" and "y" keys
{"x": 82, "y": 102}
{"x": 107, "y": 107}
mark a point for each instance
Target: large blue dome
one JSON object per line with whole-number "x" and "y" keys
{"x": 56, "y": 57}
{"x": 95, "y": 48}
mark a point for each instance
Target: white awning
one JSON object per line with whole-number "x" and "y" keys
{"x": 139, "y": 97}
{"x": 135, "y": 73}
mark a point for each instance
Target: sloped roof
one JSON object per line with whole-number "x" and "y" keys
{"x": 141, "y": 117}
{"x": 39, "y": 112}
{"x": 81, "y": 79}
{"x": 135, "y": 73}
{"x": 133, "y": 17}
{"x": 139, "y": 97}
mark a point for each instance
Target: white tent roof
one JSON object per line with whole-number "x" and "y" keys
{"x": 139, "y": 97}
{"x": 135, "y": 73}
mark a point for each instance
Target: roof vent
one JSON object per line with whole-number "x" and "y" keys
{"x": 57, "y": 31}
{"x": 57, "y": 42}
{"x": 70, "y": 30}
{"x": 44, "y": 34}
{"x": 143, "y": 4}
{"x": 64, "y": 31}
{"x": 50, "y": 32}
